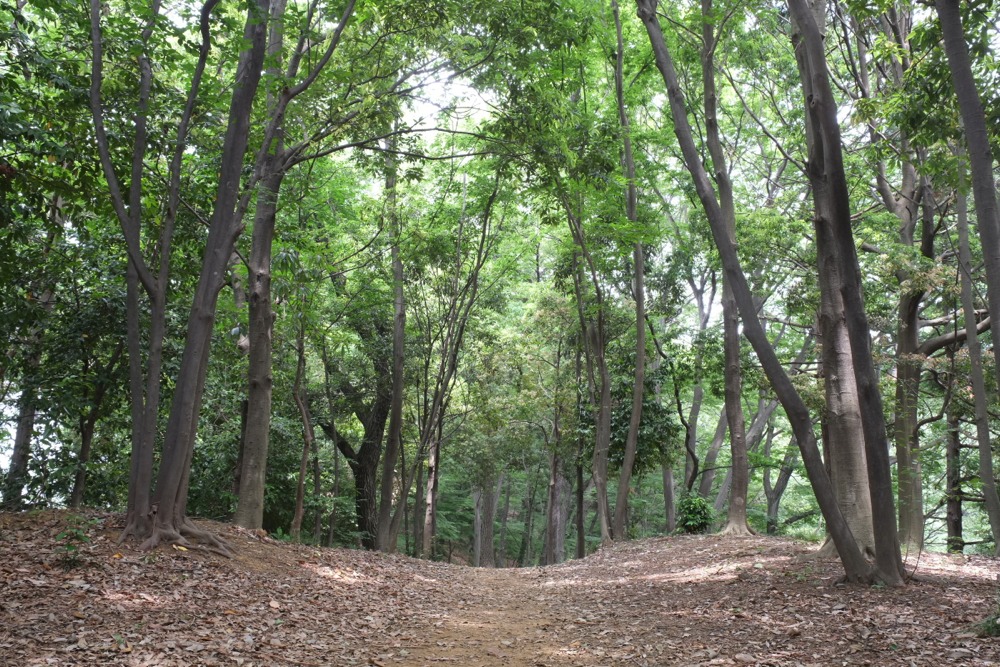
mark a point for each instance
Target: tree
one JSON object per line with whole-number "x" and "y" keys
{"x": 854, "y": 564}
{"x": 639, "y": 289}
{"x": 160, "y": 515}
{"x": 343, "y": 111}
{"x": 833, "y": 228}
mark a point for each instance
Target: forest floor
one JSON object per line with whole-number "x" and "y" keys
{"x": 702, "y": 600}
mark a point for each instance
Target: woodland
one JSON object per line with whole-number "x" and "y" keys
{"x": 503, "y": 283}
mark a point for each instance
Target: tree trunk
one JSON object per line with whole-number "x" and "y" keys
{"x": 308, "y": 437}
{"x": 394, "y": 444}
{"x": 419, "y": 498}
{"x": 250, "y": 507}
{"x": 581, "y": 530}
{"x": 856, "y": 568}
{"x": 669, "y": 505}
{"x": 832, "y": 220}
{"x": 979, "y": 155}
{"x": 144, "y": 393}
{"x": 317, "y": 492}
{"x": 712, "y": 455}
{"x": 736, "y": 521}
{"x": 89, "y": 421}
{"x": 953, "y": 484}
{"x": 599, "y": 378}
{"x": 87, "y": 425}
{"x": 170, "y": 497}
{"x": 17, "y": 473}
{"x": 981, "y": 397}
{"x": 500, "y": 559}
{"x": 638, "y": 268}
{"x": 774, "y": 493}
{"x": 485, "y": 497}
{"x": 430, "y": 502}
{"x": 553, "y": 511}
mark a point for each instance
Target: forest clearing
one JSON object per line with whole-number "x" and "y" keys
{"x": 685, "y": 600}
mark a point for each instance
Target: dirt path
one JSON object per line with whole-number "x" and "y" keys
{"x": 676, "y": 601}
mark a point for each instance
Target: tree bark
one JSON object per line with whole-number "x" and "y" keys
{"x": 144, "y": 392}
{"x": 170, "y": 497}
{"x": 953, "y": 484}
{"x": 17, "y": 473}
{"x": 250, "y": 506}
{"x": 308, "y": 437}
{"x": 394, "y": 444}
{"x": 979, "y": 148}
{"x": 736, "y": 521}
{"x": 485, "y": 497}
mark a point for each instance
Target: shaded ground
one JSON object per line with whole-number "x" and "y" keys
{"x": 672, "y": 601}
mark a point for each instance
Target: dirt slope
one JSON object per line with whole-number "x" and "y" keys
{"x": 672, "y": 601}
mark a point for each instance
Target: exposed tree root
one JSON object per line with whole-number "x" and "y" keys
{"x": 188, "y": 536}
{"x": 737, "y": 530}
{"x": 135, "y": 526}
{"x": 207, "y": 539}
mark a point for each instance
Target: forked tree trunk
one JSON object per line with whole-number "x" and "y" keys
{"x": 855, "y": 567}
{"x": 144, "y": 390}
{"x": 170, "y": 523}
{"x": 274, "y": 161}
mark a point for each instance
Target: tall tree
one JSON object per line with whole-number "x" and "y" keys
{"x": 638, "y": 286}
{"x": 832, "y": 220}
{"x": 854, "y": 564}
{"x": 980, "y": 159}
{"x": 160, "y": 515}
{"x": 275, "y": 160}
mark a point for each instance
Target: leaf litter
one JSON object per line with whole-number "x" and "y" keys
{"x": 700, "y": 600}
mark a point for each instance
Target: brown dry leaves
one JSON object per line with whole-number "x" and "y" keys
{"x": 676, "y": 601}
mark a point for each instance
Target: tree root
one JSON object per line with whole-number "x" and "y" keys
{"x": 135, "y": 526}
{"x": 737, "y": 530}
{"x": 208, "y": 540}
{"x": 187, "y": 535}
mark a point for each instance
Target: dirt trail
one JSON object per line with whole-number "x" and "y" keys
{"x": 673, "y": 601}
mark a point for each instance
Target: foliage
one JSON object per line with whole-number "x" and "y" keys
{"x": 695, "y": 514}
{"x": 72, "y": 539}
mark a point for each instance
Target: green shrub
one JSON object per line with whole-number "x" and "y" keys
{"x": 694, "y": 514}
